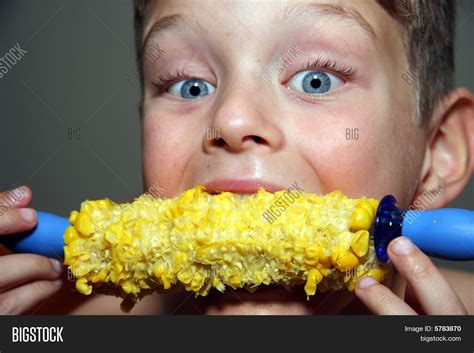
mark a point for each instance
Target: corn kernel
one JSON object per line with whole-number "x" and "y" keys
{"x": 235, "y": 281}
{"x": 166, "y": 283}
{"x": 323, "y": 257}
{"x": 128, "y": 287}
{"x": 83, "y": 224}
{"x": 105, "y": 204}
{"x": 100, "y": 277}
{"x": 73, "y": 216}
{"x": 346, "y": 261}
{"x": 67, "y": 256}
{"x": 367, "y": 205}
{"x": 314, "y": 277}
{"x": 311, "y": 256}
{"x": 374, "y": 203}
{"x": 83, "y": 287}
{"x": 377, "y": 274}
{"x": 158, "y": 271}
{"x": 360, "y": 220}
{"x": 360, "y": 243}
{"x": 70, "y": 235}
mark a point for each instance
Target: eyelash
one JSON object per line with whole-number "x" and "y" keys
{"x": 166, "y": 80}
{"x": 329, "y": 65}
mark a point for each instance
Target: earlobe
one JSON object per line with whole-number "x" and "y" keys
{"x": 449, "y": 160}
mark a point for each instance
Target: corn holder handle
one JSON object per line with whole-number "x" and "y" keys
{"x": 446, "y": 233}
{"x": 45, "y": 239}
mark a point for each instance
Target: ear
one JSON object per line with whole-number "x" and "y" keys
{"x": 449, "y": 157}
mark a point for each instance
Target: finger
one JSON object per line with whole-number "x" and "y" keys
{"x": 28, "y": 296}
{"x": 19, "y": 197}
{"x": 18, "y": 269}
{"x": 412, "y": 300}
{"x": 16, "y": 220}
{"x": 434, "y": 293}
{"x": 379, "y": 299}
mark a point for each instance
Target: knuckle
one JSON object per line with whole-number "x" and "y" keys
{"x": 36, "y": 262}
{"x": 3, "y": 210}
{"x": 7, "y": 304}
{"x": 43, "y": 289}
{"x": 381, "y": 299}
{"x": 422, "y": 269}
{"x": 39, "y": 288}
{"x": 11, "y": 221}
{"x": 5, "y": 218}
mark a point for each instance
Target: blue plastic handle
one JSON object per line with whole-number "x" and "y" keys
{"x": 446, "y": 233}
{"x": 47, "y": 238}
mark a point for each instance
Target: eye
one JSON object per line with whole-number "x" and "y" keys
{"x": 314, "y": 82}
{"x": 191, "y": 89}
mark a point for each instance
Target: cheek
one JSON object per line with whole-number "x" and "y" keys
{"x": 167, "y": 145}
{"x": 360, "y": 154}
{"x": 359, "y": 168}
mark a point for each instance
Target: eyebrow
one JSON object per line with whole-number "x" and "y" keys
{"x": 342, "y": 12}
{"x": 171, "y": 22}
{"x": 177, "y": 21}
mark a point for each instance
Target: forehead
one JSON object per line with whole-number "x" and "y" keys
{"x": 363, "y": 17}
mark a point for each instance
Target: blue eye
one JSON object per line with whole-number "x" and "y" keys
{"x": 314, "y": 82}
{"x": 191, "y": 89}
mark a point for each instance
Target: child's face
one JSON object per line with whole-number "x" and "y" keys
{"x": 347, "y": 123}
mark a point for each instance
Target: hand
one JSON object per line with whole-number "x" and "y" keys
{"x": 427, "y": 290}
{"x": 25, "y": 279}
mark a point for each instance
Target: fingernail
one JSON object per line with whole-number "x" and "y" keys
{"x": 28, "y": 214}
{"x": 366, "y": 282}
{"x": 402, "y": 246}
{"x": 58, "y": 267}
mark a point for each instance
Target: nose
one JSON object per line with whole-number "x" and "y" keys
{"x": 243, "y": 122}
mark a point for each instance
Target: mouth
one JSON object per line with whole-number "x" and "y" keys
{"x": 241, "y": 186}
{"x": 270, "y": 300}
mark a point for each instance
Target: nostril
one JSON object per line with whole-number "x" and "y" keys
{"x": 256, "y": 139}
{"x": 219, "y": 142}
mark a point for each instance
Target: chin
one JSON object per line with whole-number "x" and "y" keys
{"x": 272, "y": 300}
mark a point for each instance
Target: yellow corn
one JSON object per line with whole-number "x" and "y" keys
{"x": 70, "y": 235}
{"x": 361, "y": 219}
{"x": 360, "y": 243}
{"x": 198, "y": 241}
{"x": 346, "y": 261}
{"x": 314, "y": 277}
{"x": 83, "y": 223}
{"x": 83, "y": 287}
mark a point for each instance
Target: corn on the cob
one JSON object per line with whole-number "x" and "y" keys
{"x": 201, "y": 241}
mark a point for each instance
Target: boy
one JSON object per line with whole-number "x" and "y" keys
{"x": 349, "y": 95}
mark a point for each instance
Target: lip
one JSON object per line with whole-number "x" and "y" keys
{"x": 241, "y": 186}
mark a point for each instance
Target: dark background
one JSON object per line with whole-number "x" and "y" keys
{"x": 69, "y": 109}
